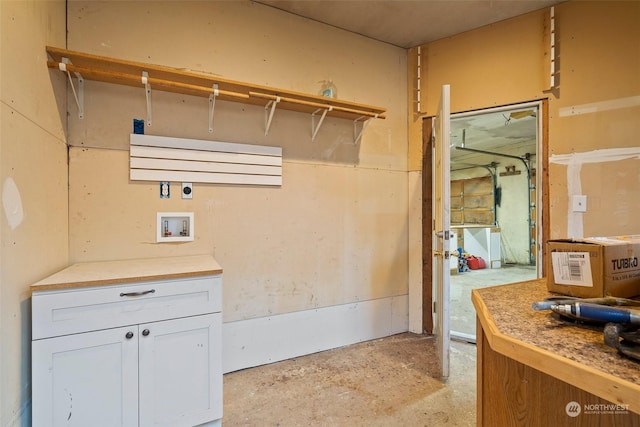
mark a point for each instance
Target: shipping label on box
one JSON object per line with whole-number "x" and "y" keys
{"x": 572, "y": 268}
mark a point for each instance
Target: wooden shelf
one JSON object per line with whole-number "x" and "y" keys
{"x": 104, "y": 69}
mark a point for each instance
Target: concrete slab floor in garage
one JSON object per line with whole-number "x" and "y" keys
{"x": 384, "y": 382}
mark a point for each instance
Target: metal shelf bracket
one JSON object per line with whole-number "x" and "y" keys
{"x": 269, "y": 109}
{"x": 552, "y": 48}
{"x": 357, "y": 136}
{"x": 147, "y": 91}
{"x": 315, "y": 128}
{"x": 212, "y": 106}
{"x": 79, "y": 94}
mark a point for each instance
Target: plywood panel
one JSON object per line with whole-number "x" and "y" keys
{"x": 33, "y": 175}
{"x": 25, "y": 85}
{"x": 253, "y": 44}
{"x": 494, "y": 65}
{"x": 336, "y": 232}
{"x": 282, "y": 251}
{"x": 606, "y": 63}
{"x": 472, "y": 201}
{"x": 33, "y": 171}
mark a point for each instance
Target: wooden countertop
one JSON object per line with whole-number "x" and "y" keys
{"x": 132, "y": 270}
{"x": 574, "y": 354}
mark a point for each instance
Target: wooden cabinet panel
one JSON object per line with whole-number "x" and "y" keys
{"x": 511, "y": 393}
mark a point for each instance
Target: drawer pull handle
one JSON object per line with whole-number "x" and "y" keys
{"x": 145, "y": 332}
{"x": 136, "y": 294}
{"x": 129, "y": 335}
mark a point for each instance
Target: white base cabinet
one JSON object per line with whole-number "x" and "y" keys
{"x": 162, "y": 370}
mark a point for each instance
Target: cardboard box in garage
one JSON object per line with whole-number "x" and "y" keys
{"x": 594, "y": 267}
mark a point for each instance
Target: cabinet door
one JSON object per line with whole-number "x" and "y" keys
{"x": 88, "y": 379}
{"x": 181, "y": 371}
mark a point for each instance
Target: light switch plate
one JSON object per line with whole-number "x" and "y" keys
{"x": 579, "y": 203}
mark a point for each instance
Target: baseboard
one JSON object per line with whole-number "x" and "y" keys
{"x": 254, "y": 342}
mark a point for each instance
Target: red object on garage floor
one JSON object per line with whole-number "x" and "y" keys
{"x": 476, "y": 263}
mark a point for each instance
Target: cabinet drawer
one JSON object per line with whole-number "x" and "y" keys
{"x": 70, "y": 311}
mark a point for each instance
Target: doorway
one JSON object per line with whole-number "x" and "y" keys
{"x": 495, "y": 204}
{"x": 501, "y": 136}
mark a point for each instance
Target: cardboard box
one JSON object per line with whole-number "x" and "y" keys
{"x": 594, "y": 266}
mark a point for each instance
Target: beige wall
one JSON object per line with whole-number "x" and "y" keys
{"x": 595, "y": 105}
{"x": 337, "y": 230}
{"x": 33, "y": 175}
{"x": 334, "y": 233}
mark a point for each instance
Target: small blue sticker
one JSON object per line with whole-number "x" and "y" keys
{"x": 138, "y": 126}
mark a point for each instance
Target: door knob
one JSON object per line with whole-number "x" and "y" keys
{"x": 129, "y": 335}
{"x": 145, "y": 332}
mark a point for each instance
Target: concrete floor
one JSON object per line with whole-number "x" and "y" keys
{"x": 463, "y": 314}
{"x": 384, "y": 382}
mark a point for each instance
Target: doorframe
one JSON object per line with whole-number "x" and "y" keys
{"x": 427, "y": 225}
{"x": 542, "y": 210}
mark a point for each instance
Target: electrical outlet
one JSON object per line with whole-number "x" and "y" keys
{"x": 165, "y": 189}
{"x": 187, "y": 190}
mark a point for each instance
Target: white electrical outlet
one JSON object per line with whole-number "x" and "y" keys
{"x": 579, "y": 203}
{"x": 187, "y": 190}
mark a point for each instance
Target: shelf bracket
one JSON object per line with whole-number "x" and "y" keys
{"x": 212, "y": 105}
{"x": 357, "y": 136}
{"x": 147, "y": 91}
{"x": 552, "y": 49}
{"x": 269, "y": 109}
{"x": 79, "y": 94}
{"x": 314, "y": 128}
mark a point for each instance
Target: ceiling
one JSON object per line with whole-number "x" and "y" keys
{"x": 497, "y": 134}
{"x": 409, "y": 23}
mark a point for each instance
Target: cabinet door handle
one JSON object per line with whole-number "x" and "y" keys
{"x": 136, "y": 294}
{"x": 145, "y": 332}
{"x": 129, "y": 335}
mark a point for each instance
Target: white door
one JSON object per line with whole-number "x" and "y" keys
{"x": 181, "y": 371}
{"x": 88, "y": 379}
{"x": 441, "y": 263}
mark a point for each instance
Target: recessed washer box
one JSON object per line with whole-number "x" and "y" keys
{"x": 175, "y": 227}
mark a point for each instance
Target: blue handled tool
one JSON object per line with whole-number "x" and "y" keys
{"x": 588, "y": 311}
